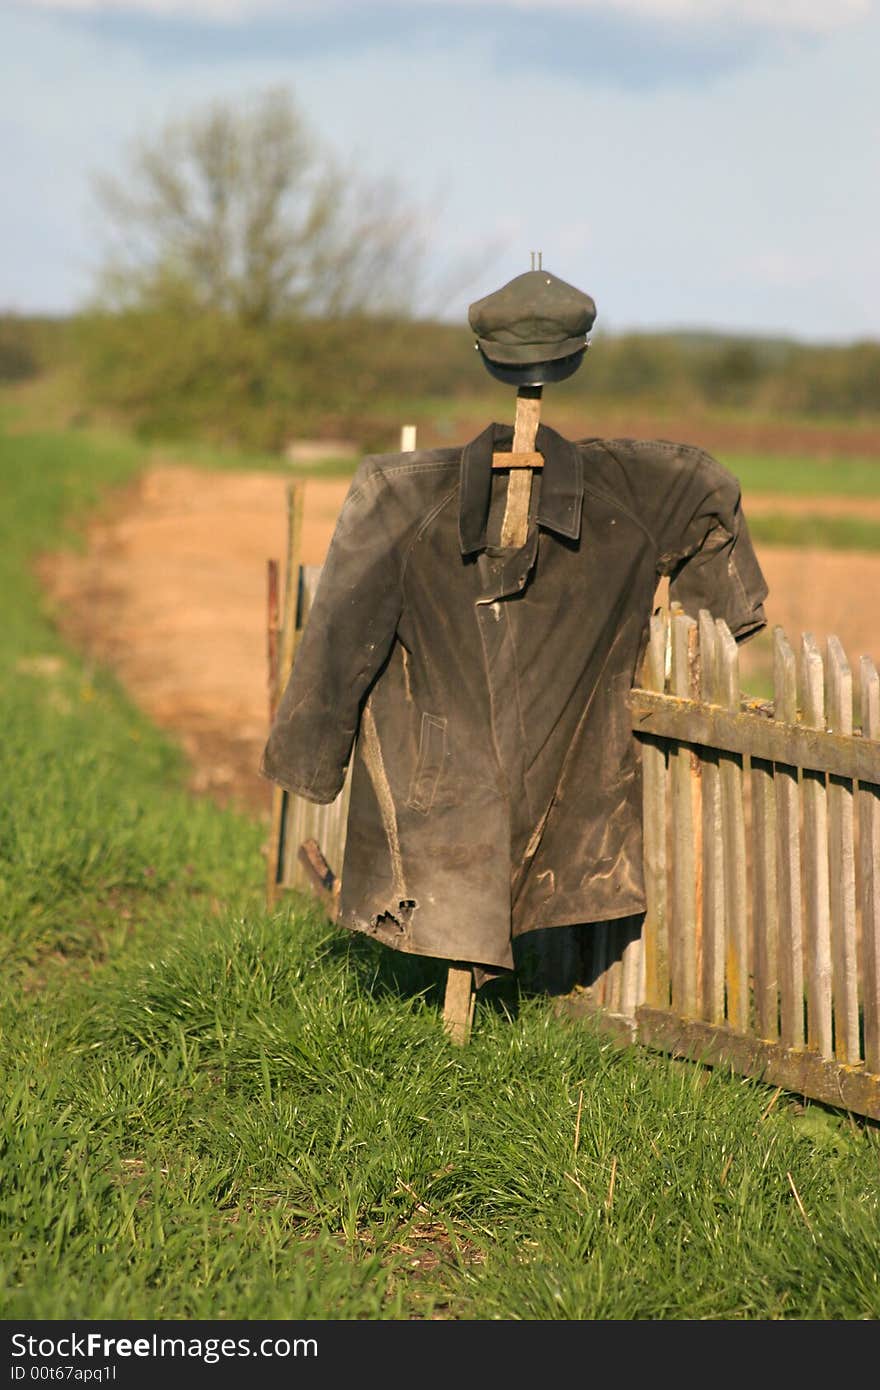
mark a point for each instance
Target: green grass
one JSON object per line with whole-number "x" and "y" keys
{"x": 215, "y": 1111}
{"x": 821, "y": 532}
{"x": 805, "y": 477}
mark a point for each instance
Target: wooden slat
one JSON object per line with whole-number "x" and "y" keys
{"x": 530, "y": 459}
{"x": 764, "y": 898}
{"x": 631, "y": 975}
{"x": 734, "y": 834}
{"x": 654, "y": 779}
{"x": 747, "y": 732}
{"x": 816, "y": 886}
{"x": 788, "y": 856}
{"x": 272, "y": 634}
{"x": 869, "y": 871}
{"x": 712, "y": 992}
{"x": 683, "y": 915}
{"x": 842, "y": 867}
{"x": 278, "y": 817}
{"x": 599, "y": 961}
{"x": 301, "y": 819}
{"x": 614, "y": 969}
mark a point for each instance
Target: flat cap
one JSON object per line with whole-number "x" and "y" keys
{"x": 534, "y": 318}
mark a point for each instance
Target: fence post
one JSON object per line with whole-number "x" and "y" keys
{"x": 842, "y": 868}
{"x": 656, "y": 930}
{"x": 788, "y": 855}
{"x": 869, "y": 865}
{"x": 734, "y": 832}
{"x": 683, "y": 847}
{"x": 816, "y": 886}
{"x": 713, "y": 845}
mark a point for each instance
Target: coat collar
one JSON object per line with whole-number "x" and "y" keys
{"x": 562, "y": 484}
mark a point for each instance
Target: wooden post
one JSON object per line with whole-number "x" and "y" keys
{"x": 515, "y": 526}
{"x": 280, "y": 798}
{"x": 788, "y": 855}
{"x": 869, "y": 855}
{"x": 458, "y": 1004}
{"x": 684, "y": 856}
{"x": 733, "y": 822}
{"x": 842, "y": 865}
{"x": 816, "y": 885}
{"x": 713, "y": 844}
{"x": 654, "y": 778}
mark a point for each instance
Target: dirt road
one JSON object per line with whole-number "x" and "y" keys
{"x": 171, "y": 594}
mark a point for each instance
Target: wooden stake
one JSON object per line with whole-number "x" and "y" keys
{"x": 515, "y": 526}
{"x": 458, "y": 1005}
{"x": 280, "y": 798}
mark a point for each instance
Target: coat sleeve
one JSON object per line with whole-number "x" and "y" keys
{"x": 347, "y": 637}
{"x": 692, "y": 505}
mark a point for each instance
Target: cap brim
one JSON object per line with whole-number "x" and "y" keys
{"x": 526, "y": 354}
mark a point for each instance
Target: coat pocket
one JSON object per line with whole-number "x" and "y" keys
{"x": 429, "y": 765}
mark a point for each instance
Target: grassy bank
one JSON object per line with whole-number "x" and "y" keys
{"x": 214, "y": 1111}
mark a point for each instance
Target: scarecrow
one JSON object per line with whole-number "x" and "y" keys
{"x": 478, "y": 625}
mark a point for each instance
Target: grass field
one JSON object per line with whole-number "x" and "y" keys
{"x": 213, "y": 1111}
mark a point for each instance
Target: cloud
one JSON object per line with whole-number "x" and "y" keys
{"x": 780, "y": 16}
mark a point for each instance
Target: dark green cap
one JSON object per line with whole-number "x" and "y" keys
{"x": 533, "y": 318}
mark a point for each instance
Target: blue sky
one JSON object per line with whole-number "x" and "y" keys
{"x": 690, "y": 163}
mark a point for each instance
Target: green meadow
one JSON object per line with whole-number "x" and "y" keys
{"x": 217, "y": 1111}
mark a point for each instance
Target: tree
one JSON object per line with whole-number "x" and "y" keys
{"x": 235, "y": 210}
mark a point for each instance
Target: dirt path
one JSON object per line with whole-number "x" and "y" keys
{"x": 171, "y": 594}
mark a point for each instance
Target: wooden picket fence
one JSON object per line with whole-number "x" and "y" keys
{"x": 760, "y": 947}
{"x": 761, "y": 943}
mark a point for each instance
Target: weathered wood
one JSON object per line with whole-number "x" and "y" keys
{"x": 515, "y": 526}
{"x": 764, "y": 898}
{"x": 654, "y": 777}
{"x": 683, "y": 915}
{"x": 746, "y": 732}
{"x": 842, "y": 867}
{"x": 272, "y": 633}
{"x": 869, "y": 871}
{"x": 614, "y": 968}
{"x": 522, "y": 460}
{"x": 302, "y": 819}
{"x": 788, "y": 856}
{"x": 278, "y": 816}
{"x": 631, "y": 973}
{"x": 816, "y": 885}
{"x": 734, "y": 836}
{"x": 712, "y": 971}
{"x": 802, "y": 1072}
{"x": 324, "y": 880}
{"x": 458, "y": 1004}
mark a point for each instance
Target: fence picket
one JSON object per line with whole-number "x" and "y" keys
{"x": 684, "y": 860}
{"x": 654, "y": 778}
{"x": 816, "y": 885}
{"x": 788, "y": 856}
{"x": 734, "y": 834}
{"x": 631, "y": 973}
{"x": 869, "y": 866}
{"x": 764, "y": 898}
{"x": 713, "y": 844}
{"x": 842, "y": 867}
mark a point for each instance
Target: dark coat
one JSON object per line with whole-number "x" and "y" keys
{"x": 496, "y": 786}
